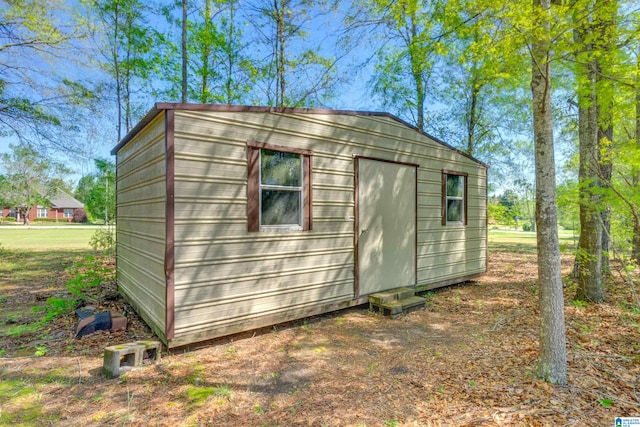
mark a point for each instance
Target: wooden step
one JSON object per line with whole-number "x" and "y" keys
{"x": 396, "y": 307}
{"x": 391, "y": 295}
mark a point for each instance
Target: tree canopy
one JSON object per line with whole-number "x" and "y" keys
{"x": 28, "y": 179}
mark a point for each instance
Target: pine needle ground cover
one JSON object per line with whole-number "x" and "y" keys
{"x": 467, "y": 359}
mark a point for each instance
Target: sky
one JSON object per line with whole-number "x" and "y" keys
{"x": 99, "y": 137}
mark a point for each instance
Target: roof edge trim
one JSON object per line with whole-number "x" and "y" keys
{"x": 228, "y": 108}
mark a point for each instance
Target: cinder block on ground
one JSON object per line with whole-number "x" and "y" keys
{"x": 151, "y": 352}
{"x": 123, "y": 357}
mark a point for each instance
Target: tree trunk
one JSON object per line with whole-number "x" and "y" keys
{"x": 553, "y": 351}
{"x": 206, "y": 54}
{"x": 473, "y": 112}
{"x": 604, "y": 25}
{"x": 280, "y": 7}
{"x": 635, "y": 251}
{"x": 25, "y": 216}
{"x": 184, "y": 50}
{"x": 589, "y": 253}
{"x": 116, "y": 66}
{"x": 417, "y": 64}
{"x": 230, "y": 62}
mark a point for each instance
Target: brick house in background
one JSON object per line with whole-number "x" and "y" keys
{"x": 61, "y": 208}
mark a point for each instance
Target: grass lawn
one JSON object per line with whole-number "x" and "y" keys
{"x": 525, "y": 242}
{"x": 45, "y": 239}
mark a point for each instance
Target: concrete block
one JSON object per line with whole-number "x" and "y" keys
{"x": 151, "y": 351}
{"x": 122, "y": 358}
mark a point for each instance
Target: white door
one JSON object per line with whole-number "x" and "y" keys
{"x": 386, "y": 225}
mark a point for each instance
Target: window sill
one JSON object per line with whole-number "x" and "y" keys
{"x": 283, "y": 229}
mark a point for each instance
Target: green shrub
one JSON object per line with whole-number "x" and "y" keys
{"x": 55, "y": 307}
{"x": 104, "y": 239}
{"x": 7, "y": 219}
{"x": 49, "y": 220}
{"x": 87, "y": 274}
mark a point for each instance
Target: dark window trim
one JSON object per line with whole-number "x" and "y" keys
{"x": 446, "y": 172}
{"x": 253, "y": 183}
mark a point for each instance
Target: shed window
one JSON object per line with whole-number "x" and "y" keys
{"x": 278, "y": 188}
{"x": 454, "y": 198}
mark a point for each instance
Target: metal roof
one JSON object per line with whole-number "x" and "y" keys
{"x": 163, "y": 106}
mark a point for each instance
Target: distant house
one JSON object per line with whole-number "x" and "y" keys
{"x": 61, "y": 208}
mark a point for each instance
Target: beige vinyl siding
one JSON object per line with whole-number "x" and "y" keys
{"x": 227, "y": 279}
{"x": 141, "y": 210}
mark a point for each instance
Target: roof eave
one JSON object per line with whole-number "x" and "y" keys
{"x": 163, "y": 106}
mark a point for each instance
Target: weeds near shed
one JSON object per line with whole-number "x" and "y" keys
{"x": 25, "y": 328}
{"x": 197, "y": 396}
{"x": 257, "y": 409}
{"x": 129, "y": 402}
{"x": 55, "y": 307}
{"x": 104, "y": 239}
{"x": 86, "y": 275}
{"x": 41, "y": 350}
{"x": 579, "y": 304}
{"x": 223, "y": 390}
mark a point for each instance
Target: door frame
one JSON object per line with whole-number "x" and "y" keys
{"x": 356, "y": 225}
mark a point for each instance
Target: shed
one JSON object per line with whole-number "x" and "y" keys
{"x": 232, "y": 218}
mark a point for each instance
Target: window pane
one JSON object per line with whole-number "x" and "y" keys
{"x": 281, "y": 168}
{"x": 454, "y": 210}
{"x": 280, "y": 207}
{"x": 455, "y": 185}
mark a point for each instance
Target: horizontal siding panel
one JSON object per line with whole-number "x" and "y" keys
{"x": 450, "y": 276}
{"x": 240, "y": 282}
{"x": 206, "y": 330}
{"x": 223, "y": 228}
{"x": 266, "y": 264}
{"x": 189, "y": 316}
{"x": 439, "y": 273}
{"x": 149, "y": 174}
{"x": 191, "y": 190}
{"x": 210, "y": 253}
{"x": 147, "y": 210}
{"x": 434, "y": 274}
{"x": 153, "y": 228}
{"x": 450, "y": 257}
{"x": 141, "y": 278}
{"x": 450, "y": 246}
{"x": 194, "y": 145}
{"x": 206, "y": 168}
{"x": 149, "y": 190}
{"x": 149, "y": 142}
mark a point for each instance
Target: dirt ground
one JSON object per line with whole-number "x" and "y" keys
{"x": 468, "y": 359}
